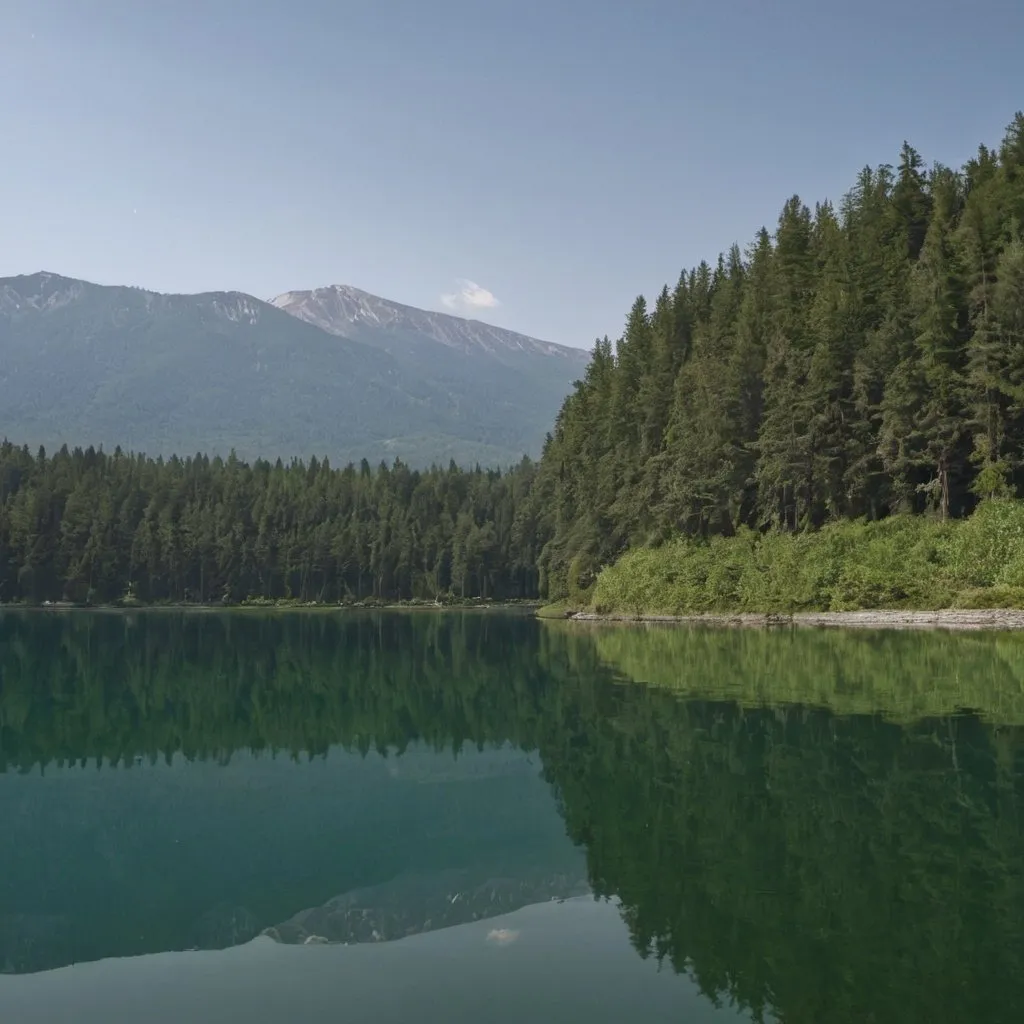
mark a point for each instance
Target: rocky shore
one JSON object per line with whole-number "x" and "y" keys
{"x": 946, "y": 618}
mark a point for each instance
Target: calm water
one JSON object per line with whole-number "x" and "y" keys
{"x": 468, "y": 818}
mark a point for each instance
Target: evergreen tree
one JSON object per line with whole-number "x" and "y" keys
{"x": 865, "y": 359}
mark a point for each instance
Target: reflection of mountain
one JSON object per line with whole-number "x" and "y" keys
{"x": 127, "y": 861}
{"x": 34, "y": 942}
{"x": 553, "y": 962}
{"x": 422, "y": 903}
{"x": 817, "y": 866}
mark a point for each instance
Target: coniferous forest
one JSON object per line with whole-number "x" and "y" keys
{"x": 88, "y": 526}
{"x": 864, "y": 359}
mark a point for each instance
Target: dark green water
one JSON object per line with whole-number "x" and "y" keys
{"x": 321, "y": 818}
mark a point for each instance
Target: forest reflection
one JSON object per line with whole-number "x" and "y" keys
{"x": 821, "y": 826}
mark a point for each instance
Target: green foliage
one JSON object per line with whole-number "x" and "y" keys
{"x": 88, "y": 527}
{"x": 557, "y": 610}
{"x": 899, "y": 562}
{"x": 988, "y": 548}
{"x": 1012, "y": 572}
{"x": 864, "y": 360}
{"x": 999, "y": 596}
{"x": 580, "y": 579}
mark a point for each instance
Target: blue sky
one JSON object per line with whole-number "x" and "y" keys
{"x": 536, "y": 164}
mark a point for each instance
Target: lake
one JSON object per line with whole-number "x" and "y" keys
{"x": 481, "y": 817}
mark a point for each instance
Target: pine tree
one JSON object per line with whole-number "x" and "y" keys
{"x": 786, "y": 444}
{"x": 924, "y": 427}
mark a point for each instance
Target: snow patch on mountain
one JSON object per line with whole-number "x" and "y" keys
{"x": 339, "y": 308}
{"x": 40, "y": 292}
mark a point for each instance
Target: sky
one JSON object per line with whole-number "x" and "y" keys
{"x": 536, "y": 164}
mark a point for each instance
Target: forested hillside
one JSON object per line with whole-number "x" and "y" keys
{"x": 866, "y": 358}
{"x": 88, "y": 526}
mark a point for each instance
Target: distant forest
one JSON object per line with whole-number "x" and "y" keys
{"x": 86, "y": 526}
{"x": 863, "y": 360}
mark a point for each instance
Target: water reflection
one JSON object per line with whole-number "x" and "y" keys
{"x": 124, "y": 861}
{"x": 569, "y": 962}
{"x": 851, "y": 852}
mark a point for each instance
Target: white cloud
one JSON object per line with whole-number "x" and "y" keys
{"x": 469, "y": 297}
{"x": 502, "y": 936}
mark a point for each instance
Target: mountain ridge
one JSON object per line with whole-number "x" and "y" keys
{"x": 335, "y": 306}
{"x": 84, "y": 363}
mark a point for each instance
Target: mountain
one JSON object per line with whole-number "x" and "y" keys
{"x": 511, "y": 384}
{"x": 352, "y": 313}
{"x": 82, "y": 363}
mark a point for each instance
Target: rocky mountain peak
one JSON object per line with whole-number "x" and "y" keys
{"x": 344, "y": 310}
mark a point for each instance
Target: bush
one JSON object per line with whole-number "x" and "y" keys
{"x": 1012, "y": 572}
{"x": 990, "y": 597}
{"x": 580, "y": 579}
{"x": 979, "y": 549}
{"x": 900, "y": 562}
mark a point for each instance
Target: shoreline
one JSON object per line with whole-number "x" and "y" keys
{"x": 951, "y": 619}
{"x": 523, "y": 607}
{"x": 958, "y": 619}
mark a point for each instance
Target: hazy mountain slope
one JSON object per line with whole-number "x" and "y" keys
{"x": 516, "y": 381}
{"x": 83, "y": 363}
{"x": 344, "y": 310}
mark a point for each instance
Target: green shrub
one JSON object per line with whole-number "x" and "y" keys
{"x": 990, "y": 597}
{"x": 979, "y": 549}
{"x": 900, "y": 562}
{"x": 1012, "y": 572}
{"x": 580, "y": 579}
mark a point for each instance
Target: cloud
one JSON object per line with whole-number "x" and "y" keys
{"x": 502, "y": 936}
{"x": 469, "y": 297}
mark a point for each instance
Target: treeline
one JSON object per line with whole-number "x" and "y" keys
{"x": 87, "y": 526}
{"x": 864, "y": 359}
